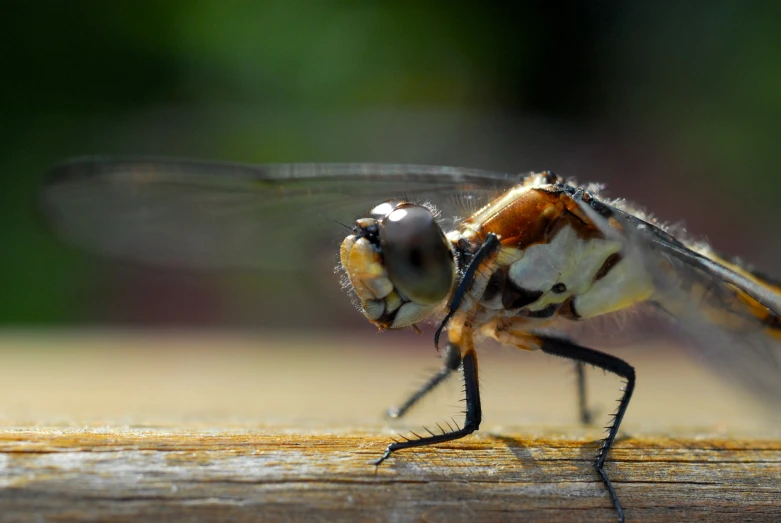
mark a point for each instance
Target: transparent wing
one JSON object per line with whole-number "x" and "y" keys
{"x": 729, "y": 315}
{"x": 218, "y": 215}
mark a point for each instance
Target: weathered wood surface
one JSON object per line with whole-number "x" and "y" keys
{"x": 94, "y": 437}
{"x": 159, "y": 475}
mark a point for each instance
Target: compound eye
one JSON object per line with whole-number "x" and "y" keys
{"x": 416, "y": 253}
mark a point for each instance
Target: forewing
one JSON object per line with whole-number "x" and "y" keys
{"x": 731, "y": 316}
{"x": 209, "y": 215}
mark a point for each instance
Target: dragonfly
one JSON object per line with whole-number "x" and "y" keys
{"x": 510, "y": 257}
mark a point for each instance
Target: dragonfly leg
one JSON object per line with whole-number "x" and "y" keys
{"x": 566, "y": 349}
{"x": 473, "y": 413}
{"x": 514, "y": 332}
{"x": 580, "y": 374}
{"x": 451, "y": 363}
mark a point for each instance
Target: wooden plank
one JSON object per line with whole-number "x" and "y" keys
{"x": 165, "y": 428}
{"x": 161, "y": 475}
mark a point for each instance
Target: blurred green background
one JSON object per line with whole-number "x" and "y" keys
{"x": 676, "y": 106}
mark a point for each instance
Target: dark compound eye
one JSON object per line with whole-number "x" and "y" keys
{"x": 416, "y": 254}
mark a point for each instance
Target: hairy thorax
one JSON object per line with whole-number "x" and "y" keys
{"x": 553, "y": 262}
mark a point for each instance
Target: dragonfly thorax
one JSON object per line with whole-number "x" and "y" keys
{"x": 399, "y": 264}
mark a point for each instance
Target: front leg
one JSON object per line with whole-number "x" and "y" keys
{"x": 473, "y": 409}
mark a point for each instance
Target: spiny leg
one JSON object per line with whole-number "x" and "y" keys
{"x": 460, "y": 340}
{"x": 451, "y": 360}
{"x": 473, "y": 411}
{"x": 514, "y": 331}
{"x": 566, "y": 349}
{"x": 580, "y": 374}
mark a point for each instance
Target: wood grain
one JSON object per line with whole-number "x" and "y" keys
{"x": 95, "y": 431}
{"x": 156, "y": 475}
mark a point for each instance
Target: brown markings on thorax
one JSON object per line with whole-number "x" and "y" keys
{"x": 567, "y": 309}
{"x": 610, "y": 262}
{"x": 525, "y": 216}
{"x": 513, "y": 297}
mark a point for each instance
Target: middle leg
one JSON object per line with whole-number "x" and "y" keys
{"x": 451, "y": 363}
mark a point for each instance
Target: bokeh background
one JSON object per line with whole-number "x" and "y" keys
{"x": 674, "y": 105}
